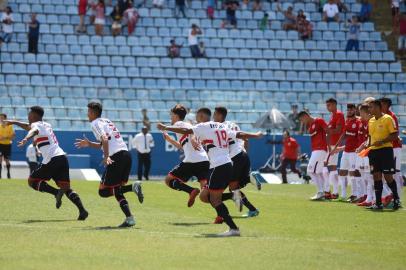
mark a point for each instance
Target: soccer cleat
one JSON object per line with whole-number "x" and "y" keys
{"x": 138, "y": 191}
{"x": 364, "y": 203}
{"x": 251, "y": 214}
{"x": 396, "y": 204}
{"x": 319, "y": 196}
{"x": 362, "y": 199}
{"x": 327, "y": 195}
{"x": 83, "y": 215}
{"x": 334, "y": 196}
{"x": 255, "y": 182}
{"x": 351, "y": 199}
{"x": 192, "y": 196}
{"x": 237, "y": 199}
{"x": 218, "y": 220}
{"x": 128, "y": 222}
{"x": 58, "y": 198}
{"x": 387, "y": 200}
{"x": 375, "y": 207}
{"x": 230, "y": 233}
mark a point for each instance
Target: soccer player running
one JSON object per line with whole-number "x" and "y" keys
{"x": 215, "y": 136}
{"x": 116, "y": 158}
{"x": 382, "y": 131}
{"x": 7, "y": 135}
{"x": 317, "y": 129}
{"x": 54, "y": 163}
{"x": 195, "y": 163}
{"x": 348, "y": 159}
{"x": 241, "y": 166}
{"x": 289, "y": 155}
{"x": 397, "y": 148}
{"x": 334, "y": 132}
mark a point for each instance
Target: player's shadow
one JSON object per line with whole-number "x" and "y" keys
{"x": 108, "y": 228}
{"x": 30, "y": 221}
{"x": 188, "y": 224}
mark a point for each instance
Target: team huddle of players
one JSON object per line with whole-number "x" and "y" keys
{"x": 370, "y": 162}
{"x": 214, "y": 153}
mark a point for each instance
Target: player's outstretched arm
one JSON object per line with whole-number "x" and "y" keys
{"x": 247, "y": 135}
{"x": 31, "y": 133}
{"x": 179, "y": 130}
{"x": 169, "y": 139}
{"x": 22, "y": 125}
{"x": 85, "y": 142}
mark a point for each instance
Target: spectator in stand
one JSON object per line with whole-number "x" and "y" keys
{"x": 304, "y": 27}
{"x": 82, "y": 8}
{"x": 395, "y": 4}
{"x": 294, "y": 118}
{"x": 202, "y": 49}
{"x": 99, "y": 10}
{"x": 341, "y": 6}
{"x": 321, "y": 4}
{"x": 289, "y": 22}
{"x": 257, "y": 6}
{"x": 145, "y": 119}
{"x": 244, "y": 5}
{"x": 354, "y": 30}
{"x": 174, "y": 49}
{"x": 180, "y": 8}
{"x": 210, "y": 9}
{"x": 265, "y": 22}
{"x": 365, "y": 12}
{"x": 193, "y": 40}
{"x": 123, "y": 4}
{"x": 116, "y": 17}
{"x": 402, "y": 35}
{"x": 158, "y": 3}
{"x": 7, "y": 20}
{"x": 231, "y": 8}
{"x": 331, "y": 12}
{"x": 33, "y": 34}
{"x": 131, "y": 15}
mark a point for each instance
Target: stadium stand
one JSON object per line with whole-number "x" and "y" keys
{"x": 247, "y": 70}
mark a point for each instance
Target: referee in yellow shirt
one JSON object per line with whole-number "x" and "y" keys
{"x": 7, "y": 135}
{"x": 382, "y": 131}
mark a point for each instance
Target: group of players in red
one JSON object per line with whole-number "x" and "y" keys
{"x": 351, "y": 136}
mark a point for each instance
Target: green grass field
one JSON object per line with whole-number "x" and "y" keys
{"x": 290, "y": 233}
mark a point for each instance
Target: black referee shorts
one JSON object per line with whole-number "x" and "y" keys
{"x": 185, "y": 170}
{"x": 382, "y": 160}
{"x": 241, "y": 169}
{"x": 117, "y": 173}
{"x": 5, "y": 150}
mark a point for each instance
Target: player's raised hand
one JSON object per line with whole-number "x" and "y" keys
{"x": 160, "y": 126}
{"x": 82, "y": 143}
{"x": 22, "y": 142}
{"x": 107, "y": 161}
{"x": 259, "y": 134}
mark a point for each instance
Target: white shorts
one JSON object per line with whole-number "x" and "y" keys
{"x": 397, "y": 153}
{"x": 333, "y": 160}
{"x": 348, "y": 161}
{"x": 99, "y": 21}
{"x": 362, "y": 164}
{"x": 316, "y": 162}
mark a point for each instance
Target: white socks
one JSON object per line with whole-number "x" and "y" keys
{"x": 399, "y": 184}
{"x": 318, "y": 181}
{"x": 333, "y": 179}
{"x": 353, "y": 183}
{"x": 361, "y": 186}
{"x": 343, "y": 184}
{"x": 326, "y": 179}
{"x": 370, "y": 188}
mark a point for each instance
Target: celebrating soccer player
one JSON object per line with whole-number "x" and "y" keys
{"x": 54, "y": 163}
{"x": 116, "y": 158}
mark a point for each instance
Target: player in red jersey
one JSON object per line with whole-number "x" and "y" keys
{"x": 334, "y": 132}
{"x": 397, "y": 147}
{"x": 348, "y": 159}
{"x": 317, "y": 129}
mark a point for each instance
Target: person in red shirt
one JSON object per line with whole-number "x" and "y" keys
{"x": 82, "y": 9}
{"x": 397, "y": 148}
{"x": 317, "y": 129}
{"x": 335, "y": 130}
{"x": 349, "y": 157}
{"x": 289, "y": 155}
{"x": 402, "y": 35}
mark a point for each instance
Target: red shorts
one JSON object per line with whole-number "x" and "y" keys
{"x": 82, "y": 6}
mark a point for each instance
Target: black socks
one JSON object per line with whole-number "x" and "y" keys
{"x": 394, "y": 189}
{"x": 75, "y": 199}
{"x": 247, "y": 203}
{"x": 378, "y": 186}
{"x": 178, "y": 185}
{"x": 222, "y": 211}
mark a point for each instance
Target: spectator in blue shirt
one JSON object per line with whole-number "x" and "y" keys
{"x": 354, "y": 30}
{"x": 365, "y": 12}
{"x": 33, "y": 34}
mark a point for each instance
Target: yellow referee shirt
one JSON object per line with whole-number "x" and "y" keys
{"x": 381, "y": 129}
{"x": 6, "y": 131}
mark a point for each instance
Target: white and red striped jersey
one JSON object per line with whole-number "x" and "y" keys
{"x": 236, "y": 145}
{"x": 46, "y": 141}
{"x": 103, "y": 126}
{"x": 191, "y": 155}
{"x": 215, "y": 138}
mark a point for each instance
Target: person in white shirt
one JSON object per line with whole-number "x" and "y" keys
{"x": 196, "y": 163}
{"x": 194, "y": 32}
{"x": 214, "y": 137}
{"x": 7, "y": 21}
{"x": 116, "y": 158}
{"x": 54, "y": 164}
{"x": 331, "y": 12}
{"x": 32, "y": 157}
{"x": 143, "y": 143}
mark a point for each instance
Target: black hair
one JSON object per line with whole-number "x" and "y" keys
{"x": 4, "y": 115}
{"x": 38, "y": 110}
{"x": 204, "y": 110}
{"x": 287, "y": 132}
{"x": 331, "y": 100}
{"x": 222, "y": 111}
{"x": 180, "y": 111}
{"x": 96, "y": 107}
{"x": 9, "y": 8}
{"x": 351, "y": 106}
{"x": 386, "y": 100}
{"x": 376, "y": 102}
{"x": 303, "y": 113}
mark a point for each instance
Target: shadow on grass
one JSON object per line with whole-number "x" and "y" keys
{"x": 108, "y": 228}
{"x": 189, "y": 224}
{"x": 30, "y": 221}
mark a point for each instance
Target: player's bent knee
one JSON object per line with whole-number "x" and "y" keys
{"x": 105, "y": 192}
{"x": 33, "y": 183}
{"x": 204, "y": 197}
